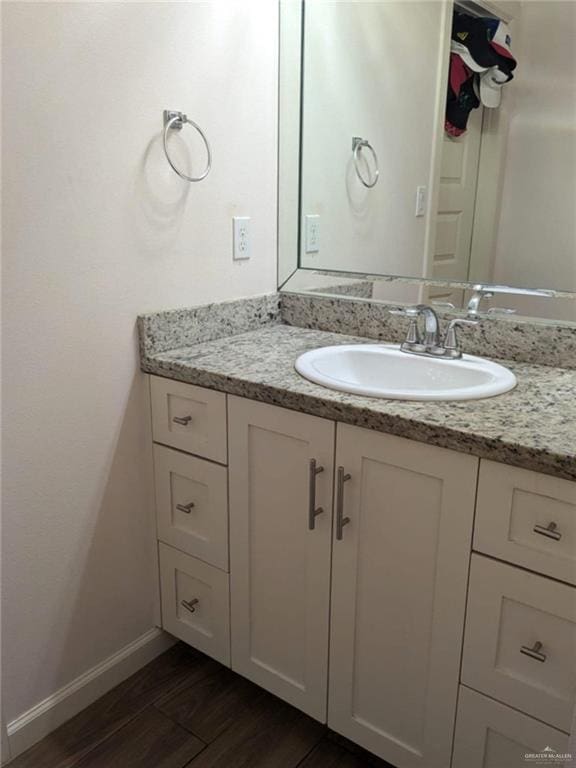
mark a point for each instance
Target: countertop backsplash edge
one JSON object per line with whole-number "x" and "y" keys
{"x": 503, "y": 338}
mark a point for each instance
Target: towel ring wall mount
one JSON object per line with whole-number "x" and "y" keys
{"x": 175, "y": 121}
{"x": 358, "y": 144}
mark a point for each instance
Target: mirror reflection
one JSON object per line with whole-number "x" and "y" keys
{"x": 437, "y": 140}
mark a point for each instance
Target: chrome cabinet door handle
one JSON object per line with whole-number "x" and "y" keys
{"x": 313, "y": 511}
{"x": 190, "y": 604}
{"x": 341, "y": 521}
{"x": 534, "y": 652}
{"x": 187, "y": 508}
{"x": 550, "y": 531}
{"x": 184, "y": 420}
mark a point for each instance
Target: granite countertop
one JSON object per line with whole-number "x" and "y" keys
{"x": 533, "y": 426}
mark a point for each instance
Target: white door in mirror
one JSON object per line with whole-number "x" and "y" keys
{"x": 383, "y": 370}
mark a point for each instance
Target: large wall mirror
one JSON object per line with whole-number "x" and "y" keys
{"x": 427, "y": 146}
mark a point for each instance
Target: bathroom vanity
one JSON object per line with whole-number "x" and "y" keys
{"x": 405, "y": 572}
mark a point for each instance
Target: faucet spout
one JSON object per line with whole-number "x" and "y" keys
{"x": 432, "y": 325}
{"x": 480, "y": 293}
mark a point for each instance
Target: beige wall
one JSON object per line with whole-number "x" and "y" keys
{"x": 536, "y": 241}
{"x": 370, "y": 70}
{"x": 98, "y": 229}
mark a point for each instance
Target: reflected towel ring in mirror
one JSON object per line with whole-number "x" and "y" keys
{"x": 357, "y": 145}
{"x": 175, "y": 121}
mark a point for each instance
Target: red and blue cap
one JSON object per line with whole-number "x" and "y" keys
{"x": 482, "y": 43}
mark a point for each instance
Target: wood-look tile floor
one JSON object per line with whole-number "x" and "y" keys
{"x": 186, "y": 710}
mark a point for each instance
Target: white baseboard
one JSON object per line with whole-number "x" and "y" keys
{"x": 40, "y": 720}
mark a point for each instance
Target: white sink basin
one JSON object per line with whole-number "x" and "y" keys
{"x": 383, "y": 370}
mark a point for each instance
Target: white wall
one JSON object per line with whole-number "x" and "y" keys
{"x": 370, "y": 70}
{"x": 536, "y": 242}
{"x": 97, "y": 228}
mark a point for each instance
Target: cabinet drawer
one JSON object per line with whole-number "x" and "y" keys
{"x": 204, "y": 624}
{"x": 192, "y": 505}
{"x": 527, "y": 518}
{"x": 492, "y": 735}
{"x": 511, "y": 612}
{"x": 190, "y": 418}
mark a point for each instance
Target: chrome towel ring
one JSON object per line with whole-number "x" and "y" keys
{"x": 357, "y": 145}
{"x": 175, "y": 121}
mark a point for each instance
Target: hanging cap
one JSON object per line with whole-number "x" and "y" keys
{"x": 482, "y": 43}
{"x": 471, "y": 41}
{"x": 500, "y": 40}
{"x": 491, "y": 83}
{"x": 466, "y": 56}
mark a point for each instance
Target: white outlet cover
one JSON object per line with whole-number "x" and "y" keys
{"x": 312, "y": 233}
{"x": 421, "y": 201}
{"x": 241, "y": 238}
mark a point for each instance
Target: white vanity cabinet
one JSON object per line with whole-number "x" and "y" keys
{"x": 493, "y": 735}
{"x": 519, "y": 658}
{"x": 192, "y": 513}
{"x": 333, "y": 566}
{"x": 399, "y": 577}
{"x": 520, "y": 644}
{"x": 528, "y": 519}
{"x": 401, "y": 541}
{"x": 281, "y": 469}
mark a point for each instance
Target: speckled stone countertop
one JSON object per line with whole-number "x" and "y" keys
{"x": 533, "y": 426}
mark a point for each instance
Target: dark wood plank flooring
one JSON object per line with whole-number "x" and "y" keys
{"x": 184, "y": 710}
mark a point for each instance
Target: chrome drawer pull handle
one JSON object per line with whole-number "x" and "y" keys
{"x": 534, "y": 652}
{"x": 341, "y": 521}
{"x": 550, "y": 531}
{"x": 187, "y": 508}
{"x": 313, "y": 510}
{"x": 184, "y": 420}
{"x": 190, "y": 604}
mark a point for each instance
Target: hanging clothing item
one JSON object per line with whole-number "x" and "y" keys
{"x": 462, "y": 96}
{"x": 482, "y": 43}
{"x": 501, "y": 40}
{"x": 481, "y": 62}
{"x": 470, "y": 41}
{"x": 491, "y": 83}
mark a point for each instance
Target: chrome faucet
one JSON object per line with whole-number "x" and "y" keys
{"x": 487, "y": 292}
{"x": 479, "y": 294}
{"x": 430, "y": 344}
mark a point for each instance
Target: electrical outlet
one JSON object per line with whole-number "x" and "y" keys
{"x": 241, "y": 238}
{"x": 420, "y": 201}
{"x": 312, "y": 233}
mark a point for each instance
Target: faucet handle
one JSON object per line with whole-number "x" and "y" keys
{"x": 501, "y": 311}
{"x": 405, "y": 312}
{"x": 412, "y": 313}
{"x": 450, "y": 337}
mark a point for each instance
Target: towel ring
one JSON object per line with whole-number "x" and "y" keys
{"x": 175, "y": 121}
{"x": 357, "y": 145}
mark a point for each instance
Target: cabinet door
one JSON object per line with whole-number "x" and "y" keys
{"x": 280, "y": 568}
{"x": 398, "y": 595}
{"x": 492, "y": 735}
